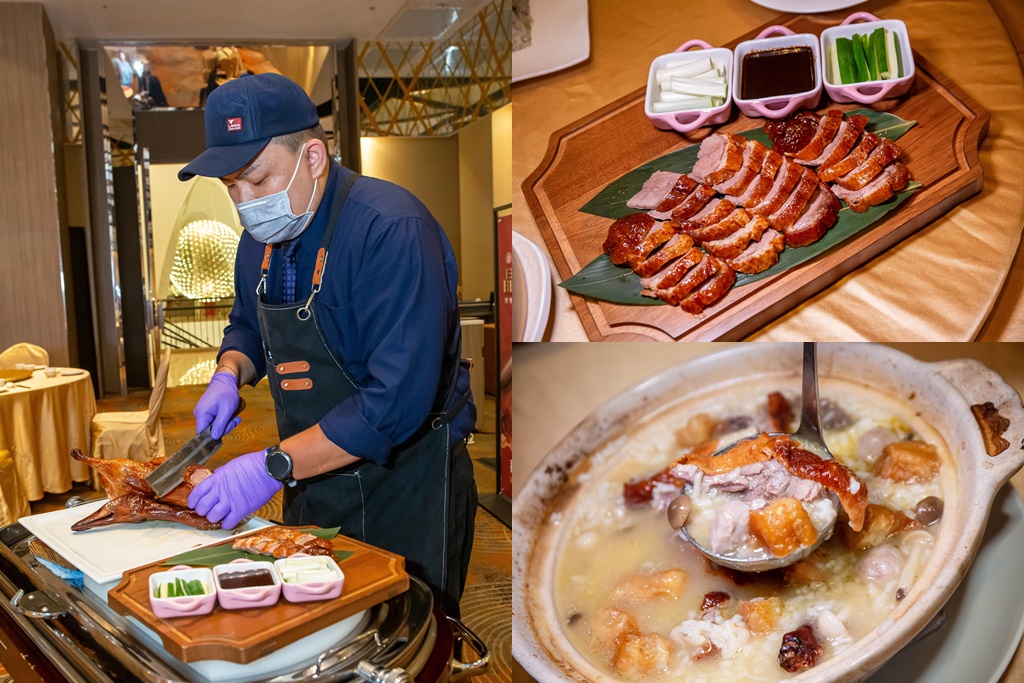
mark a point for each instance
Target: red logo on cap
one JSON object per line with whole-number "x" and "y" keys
{"x": 235, "y": 124}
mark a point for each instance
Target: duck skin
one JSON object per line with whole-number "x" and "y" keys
{"x": 132, "y": 500}
{"x": 133, "y": 508}
{"x": 121, "y": 476}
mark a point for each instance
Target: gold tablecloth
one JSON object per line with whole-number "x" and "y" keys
{"x": 41, "y": 424}
{"x": 557, "y": 385}
{"x": 945, "y": 282}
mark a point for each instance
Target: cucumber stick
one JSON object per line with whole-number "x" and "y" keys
{"x": 844, "y": 57}
{"x": 877, "y": 56}
{"x": 899, "y": 55}
{"x": 860, "y": 61}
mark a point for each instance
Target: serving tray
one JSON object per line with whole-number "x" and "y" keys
{"x": 941, "y": 152}
{"x": 372, "y": 575}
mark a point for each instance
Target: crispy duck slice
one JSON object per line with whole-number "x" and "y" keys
{"x": 283, "y": 542}
{"x": 655, "y": 189}
{"x": 691, "y": 280}
{"x": 133, "y": 508}
{"x": 711, "y": 291}
{"x": 851, "y": 161}
{"x": 632, "y": 238}
{"x": 785, "y": 180}
{"x": 892, "y": 179}
{"x": 844, "y": 141}
{"x": 790, "y": 211}
{"x": 772, "y": 163}
{"x": 121, "y": 476}
{"x": 677, "y": 246}
{"x": 683, "y": 186}
{"x": 757, "y": 190}
{"x": 821, "y": 214}
{"x": 761, "y": 255}
{"x": 690, "y": 206}
{"x": 733, "y": 245}
{"x": 884, "y": 152}
{"x": 719, "y": 157}
{"x": 713, "y": 212}
{"x": 753, "y": 155}
{"x": 828, "y": 127}
{"x": 670, "y": 275}
{"x": 727, "y": 226}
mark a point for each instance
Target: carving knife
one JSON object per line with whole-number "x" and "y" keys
{"x": 197, "y": 451}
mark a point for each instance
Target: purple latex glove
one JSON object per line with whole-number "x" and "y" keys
{"x": 234, "y": 490}
{"x": 217, "y": 405}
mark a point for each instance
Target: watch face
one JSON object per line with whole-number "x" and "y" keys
{"x": 279, "y": 465}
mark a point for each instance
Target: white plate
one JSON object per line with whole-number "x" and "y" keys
{"x": 806, "y": 6}
{"x": 985, "y": 616}
{"x": 531, "y": 290}
{"x": 39, "y": 367}
{"x": 71, "y": 371}
{"x": 560, "y": 38}
{"x": 103, "y": 554}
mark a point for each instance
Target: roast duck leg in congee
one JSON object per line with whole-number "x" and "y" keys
{"x": 131, "y": 500}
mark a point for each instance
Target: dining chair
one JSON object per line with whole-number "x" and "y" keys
{"x": 24, "y": 353}
{"x": 136, "y": 435}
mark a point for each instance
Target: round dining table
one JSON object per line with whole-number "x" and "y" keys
{"x": 41, "y": 420}
{"x": 959, "y": 278}
{"x": 558, "y": 385}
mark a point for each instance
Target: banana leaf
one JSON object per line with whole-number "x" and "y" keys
{"x": 601, "y": 279}
{"x": 222, "y": 554}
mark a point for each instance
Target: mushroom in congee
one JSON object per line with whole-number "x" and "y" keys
{"x": 637, "y": 601}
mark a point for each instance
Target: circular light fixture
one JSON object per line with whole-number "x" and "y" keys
{"x": 204, "y": 261}
{"x": 200, "y": 373}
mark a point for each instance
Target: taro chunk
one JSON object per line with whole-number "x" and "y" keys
{"x": 761, "y": 615}
{"x": 643, "y": 587}
{"x": 783, "y": 526}
{"x": 908, "y": 462}
{"x": 641, "y": 654}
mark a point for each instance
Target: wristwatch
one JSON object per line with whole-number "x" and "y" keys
{"x": 279, "y": 465}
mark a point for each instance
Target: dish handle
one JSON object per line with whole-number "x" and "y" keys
{"x": 859, "y": 16}
{"x": 691, "y": 124}
{"x": 980, "y": 385}
{"x": 872, "y": 94}
{"x": 776, "y": 30}
{"x": 696, "y": 42}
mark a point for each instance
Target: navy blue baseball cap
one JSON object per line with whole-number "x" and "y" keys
{"x": 243, "y": 115}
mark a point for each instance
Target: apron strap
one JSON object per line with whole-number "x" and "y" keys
{"x": 442, "y": 418}
{"x": 321, "y": 255}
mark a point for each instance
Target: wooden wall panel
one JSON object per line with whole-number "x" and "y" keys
{"x": 32, "y": 307}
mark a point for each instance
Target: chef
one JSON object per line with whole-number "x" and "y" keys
{"x": 345, "y": 300}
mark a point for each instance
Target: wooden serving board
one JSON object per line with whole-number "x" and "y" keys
{"x": 372, "y": 575}
{"x": 583, "y": 158}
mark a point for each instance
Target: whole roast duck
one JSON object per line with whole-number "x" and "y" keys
{"x": 133, "y": 501}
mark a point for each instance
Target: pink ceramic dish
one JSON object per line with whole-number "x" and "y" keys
{"x": 782, "y": 106}
{"x": 191, "y": 606}
{"x": 691, "y": 119}
{"x": 307, "y": 592}
{"x": 868, "y": 92}
{"x": 245, "y": 598}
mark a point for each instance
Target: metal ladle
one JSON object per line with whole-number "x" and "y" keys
{"x": 809, "y": 436}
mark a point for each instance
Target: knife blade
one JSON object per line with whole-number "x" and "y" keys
{"x": 197, "y": 451}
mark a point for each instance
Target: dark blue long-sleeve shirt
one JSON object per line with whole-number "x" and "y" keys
{"x": 387, "y": 309}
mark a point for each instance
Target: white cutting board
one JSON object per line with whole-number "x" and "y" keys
{"x": 104, "y": 553}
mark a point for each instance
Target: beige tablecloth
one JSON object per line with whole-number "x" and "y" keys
{"x": 945, "y": 282}
{"x": 557, "y": 385}
{"x": 41, "y": 424}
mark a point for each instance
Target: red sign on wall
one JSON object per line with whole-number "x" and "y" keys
{"x": 505, "y": 349}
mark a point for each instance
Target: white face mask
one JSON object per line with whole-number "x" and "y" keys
{"x": 270, "y": 219}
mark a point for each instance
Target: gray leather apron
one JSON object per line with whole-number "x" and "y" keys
{"x": 421, "y": 503}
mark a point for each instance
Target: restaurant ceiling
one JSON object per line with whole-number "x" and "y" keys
{"x": 251, "y": 20}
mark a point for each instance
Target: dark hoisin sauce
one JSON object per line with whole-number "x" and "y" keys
{"x": 776, "y": 72}
{"x": 247, "y": 579}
